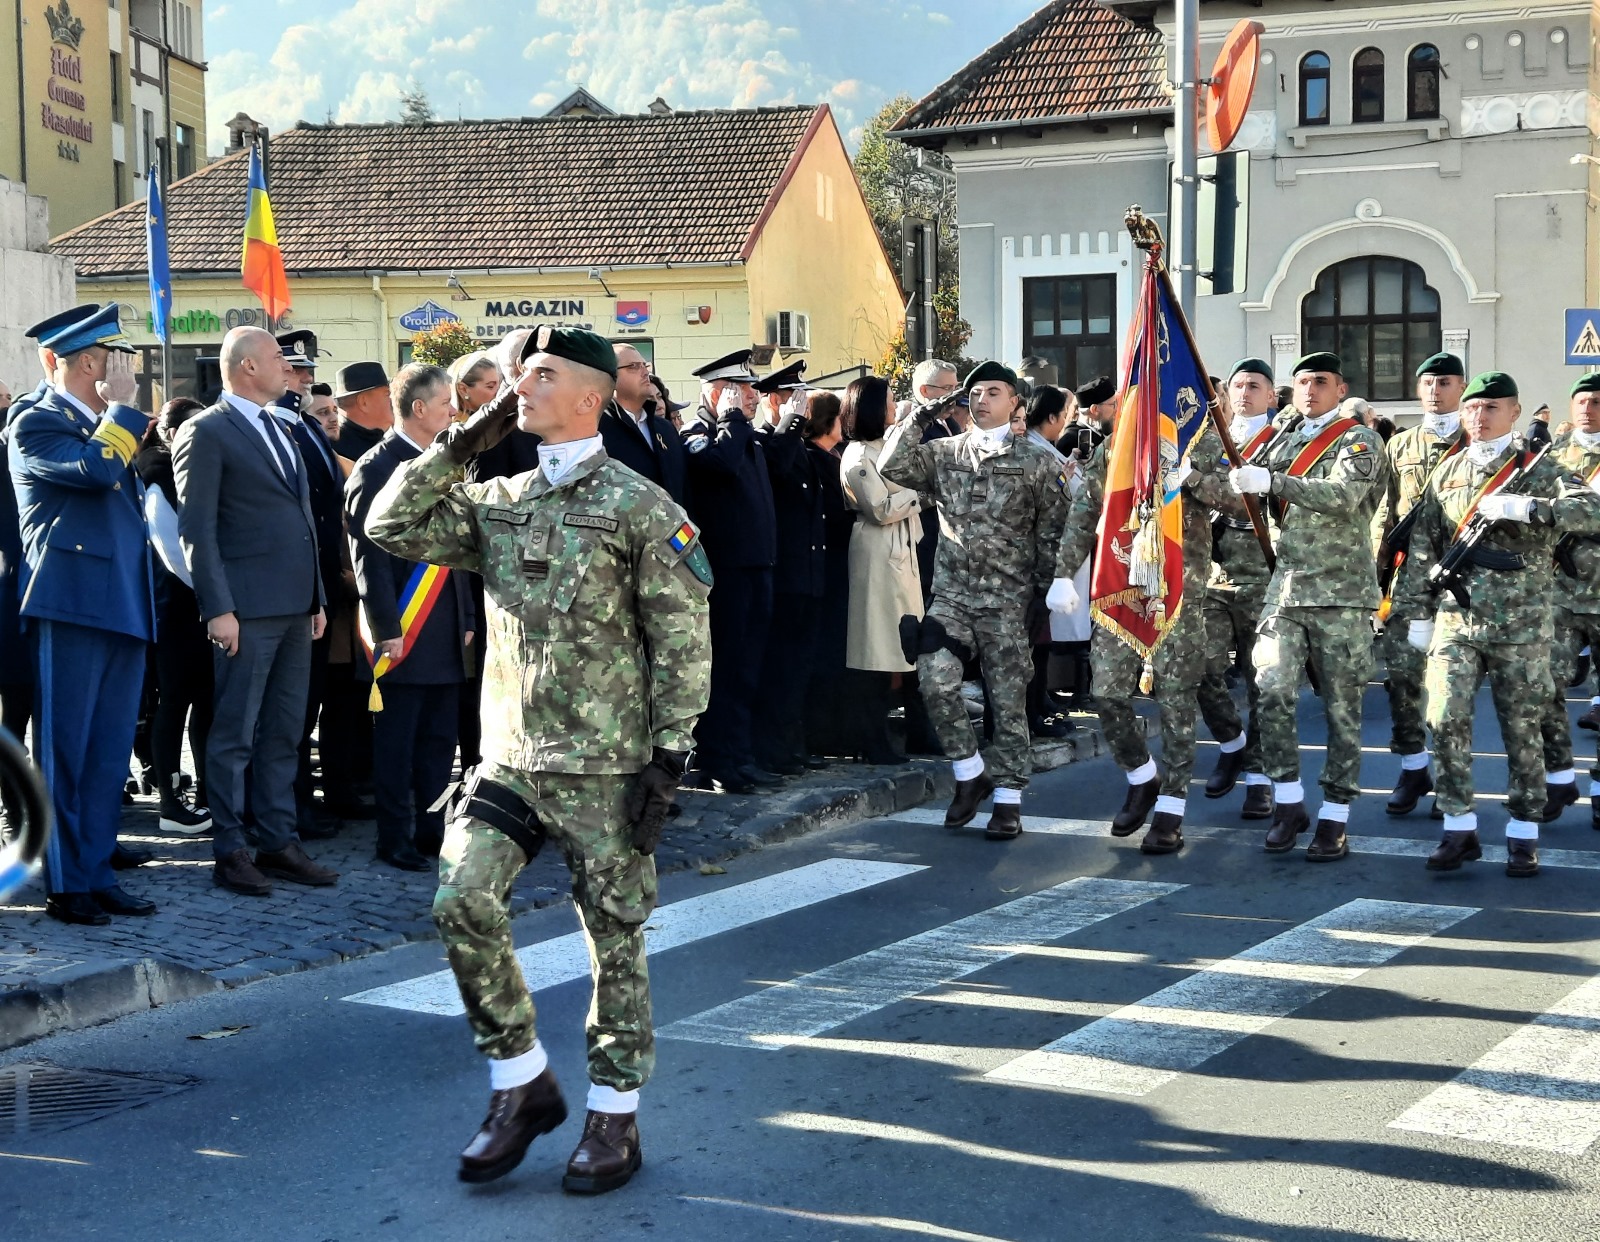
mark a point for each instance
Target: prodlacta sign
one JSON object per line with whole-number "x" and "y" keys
{"x": 429, "y": 315}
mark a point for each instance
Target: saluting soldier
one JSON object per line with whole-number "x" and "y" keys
{"x": 1001, "y": 502}
{"x": 1503, "y": 629}
{"x": 1413, "y": 455}
{"x": 1234, "y": 596}
{"x": 1178, "y": 661}
{"x": 1575, "y": 604}
{"x": 1324, "y": 475}
{"x": 598, "y": 663}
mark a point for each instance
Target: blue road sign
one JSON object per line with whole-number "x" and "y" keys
{"x": 1583, "y": 338}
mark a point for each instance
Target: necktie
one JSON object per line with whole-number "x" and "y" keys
{"x": 285, "y": 461}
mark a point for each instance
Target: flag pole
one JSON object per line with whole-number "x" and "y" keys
{"x": 1146, "y": 234}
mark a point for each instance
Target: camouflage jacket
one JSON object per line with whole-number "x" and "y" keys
{"x": 1413, "y": 454}
{"x": 595, "y": 590}
{"x": 1001, "y": 508}
{"x": 1323, "y": 545}
{"x": 1508, "y": 605}
{"x": 1580, "y": 593}
{"x": 1205, "y": 489}
{"x": 1236, "y": 556}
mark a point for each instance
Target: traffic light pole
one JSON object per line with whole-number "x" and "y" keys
{"x": 1186, "y": 180}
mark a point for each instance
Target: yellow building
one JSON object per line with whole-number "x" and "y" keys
{"x": 689, "y": 234}
{"x": 100, "y": 90}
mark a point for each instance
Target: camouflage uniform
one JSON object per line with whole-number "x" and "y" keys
{"x": 1575, "y": 608}
{"x": 1319, "y": 600}
{"x": 1180, "y": 658}
{"x": 598, "y": 650}
{"x": 1413, "y": 455}
{"x": 1001, "y": 506}
{"x": 1506, "y": 635}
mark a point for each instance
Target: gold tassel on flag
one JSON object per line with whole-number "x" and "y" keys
{"x": 1145, "y": 559}
{"x": 1147, "y": 678}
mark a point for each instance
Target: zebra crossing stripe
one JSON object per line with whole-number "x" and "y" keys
{"x": 1392, "y": 847}
{"x": 1141, "y": 1046}
{"x": 1539, "y": 1087}
{"x": 830, "y": 997}
{"x": 564, "y": 958}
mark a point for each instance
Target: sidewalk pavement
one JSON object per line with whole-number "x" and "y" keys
{"x": 54, "y": 977}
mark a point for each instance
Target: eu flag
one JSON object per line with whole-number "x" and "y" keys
{"x": 160, "y": 269}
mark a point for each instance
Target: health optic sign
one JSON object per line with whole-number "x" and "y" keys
{"x": 429, "y": 315}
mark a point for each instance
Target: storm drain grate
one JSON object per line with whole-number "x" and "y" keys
{"x": 36, "y": 1098}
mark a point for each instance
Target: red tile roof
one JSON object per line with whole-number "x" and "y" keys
{"x": 545, "y": 192}
{"x": 1073, "y": 60}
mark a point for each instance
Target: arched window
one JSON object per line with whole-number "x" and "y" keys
{"x": 1423, "y": 72}
{"x": 1380, "y": 316}
{"x": 1314, "y": 77}
{"x": 1366, "y": 86}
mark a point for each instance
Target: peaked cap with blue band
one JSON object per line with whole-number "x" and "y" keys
{"x": 89, "y": 327}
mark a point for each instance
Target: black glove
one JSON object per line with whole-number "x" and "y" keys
{"x": 491, "y": 424}
{"x": 652, "y": 796}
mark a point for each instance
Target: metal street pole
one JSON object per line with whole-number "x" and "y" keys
{"x": 1185, "y": 203}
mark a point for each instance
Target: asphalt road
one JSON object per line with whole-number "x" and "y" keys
{"x": 1051, "y": 1039}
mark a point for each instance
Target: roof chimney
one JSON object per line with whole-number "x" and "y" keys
{"x": 660, "y": 107}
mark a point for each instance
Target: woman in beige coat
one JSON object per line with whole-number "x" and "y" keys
{"x": 884, "y": 584}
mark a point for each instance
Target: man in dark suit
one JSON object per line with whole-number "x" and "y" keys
{"x": 249, "y": 538}
{"x": 362, "y": 391}
{"x": 85, "y": 597}
{"x": 422, "y": 667}
{"x": 636, "y": 435}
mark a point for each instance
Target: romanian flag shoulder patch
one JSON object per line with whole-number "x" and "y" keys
{"x": 1061, "y": 480}
{"x": 681, "y": 538}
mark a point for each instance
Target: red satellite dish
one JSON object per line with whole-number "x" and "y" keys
{"x": 1233, "y": 81}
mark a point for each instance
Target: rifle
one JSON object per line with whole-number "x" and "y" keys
{"x": 1396, "y": 548}
{"x": 1467, "y": 553}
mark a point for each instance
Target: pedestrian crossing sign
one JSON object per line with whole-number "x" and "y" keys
{"x": 1583, "y": 338}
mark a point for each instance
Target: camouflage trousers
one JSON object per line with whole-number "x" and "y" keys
{"x": 614, "y": 888}
{"x": 1178, "y": 665}
{"x": 1231, "y": 620}
{"x": 1519, "y": 674}
{"x": 1338, "y": 642}
{"x": 1574, "y": 632}
{"x": 1406, "y": 667}
{"x": 1001, "y": 644}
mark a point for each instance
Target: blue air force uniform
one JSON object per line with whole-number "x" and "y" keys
{"x": 87, "y": 603}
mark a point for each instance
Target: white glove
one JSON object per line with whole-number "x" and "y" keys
{"x": 792, "y": 409}
{"x": 1251, "y": 480}
{"x": 1506, "y": 507}
{"x": 729, "y": 401}
{"x": 1419, "y": 634}
{"x": 1062, "y": 598}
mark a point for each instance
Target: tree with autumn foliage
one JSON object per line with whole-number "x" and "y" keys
{"x": 443, "y": 343}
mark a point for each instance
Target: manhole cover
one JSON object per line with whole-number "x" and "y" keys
{"x": 40, "y": 1099}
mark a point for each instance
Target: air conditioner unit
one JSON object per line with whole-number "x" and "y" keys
{"x": 790, "y": 331}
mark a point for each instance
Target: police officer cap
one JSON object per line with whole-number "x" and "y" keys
{"x": 1442, "y": 363}
{"x": 791, "y": 377}
{"x": 1586, "y": 383}
{"x": 54, "y": 324}
{"x": 1254, "y": 366}
{"x": 299, "y": 348}
{"x": 991, "y": 372}
{"x": 734, "y": 367}
{"x": 100, "y": 328}
{"x": 1097, "y": 391}
{"x": 359, "y": 377}
{"x": 574, "y": 344}
{"x": 1490, "y": 384}
{"x": 1320, "y": 362}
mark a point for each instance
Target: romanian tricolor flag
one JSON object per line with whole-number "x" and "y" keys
{"x": 262, "y": 261}
{"x": 1137, "y": 589}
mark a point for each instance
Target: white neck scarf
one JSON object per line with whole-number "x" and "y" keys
{"x": 995, "y": 435}
{"x": 1309, "y": 427}
{"x": 1482, "y": 452}
{"x": 1442, "y": 425}
{"x": 557, "y": 460}
{"x": 1246, "y": 429}
{"x": 1589, "y": 439}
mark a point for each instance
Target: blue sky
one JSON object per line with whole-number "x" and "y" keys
{"x": 287, "y": 60}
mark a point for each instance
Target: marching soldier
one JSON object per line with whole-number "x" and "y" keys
{"x": 1324, "y": 475}
{"x": 1178, "y": 662}
{"x": 1413, "y": 455}
{"x": 598, "y": 663}
{"x": 1499, "y": 624}
{"x": 1002, "y": 501}
{"x": 1234, "y": 597}
{"x": 1575, "y": 604}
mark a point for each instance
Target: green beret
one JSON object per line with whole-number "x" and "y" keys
{"x": 1586, "y": 383}
{"x": 1490, "y": 384}
{"x": 1255, "y": 366}
{"x": 1442, "y": 363}
{"x": 575, "y": 345}
{"x": 986, "y": 372}
{"x": 1320, "y": 362}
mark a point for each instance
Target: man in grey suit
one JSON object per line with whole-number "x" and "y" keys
{"x": 245, "y": 523}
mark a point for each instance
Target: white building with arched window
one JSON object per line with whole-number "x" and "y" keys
{"x": 1411, "y": 176}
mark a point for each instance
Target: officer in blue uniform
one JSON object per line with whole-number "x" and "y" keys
{"x": 87, "y": 600}
{"x": 730, "y": 499}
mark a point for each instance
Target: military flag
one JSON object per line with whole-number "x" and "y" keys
{"x": 156, "y": 259}
{"x": 262, "y": 262}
